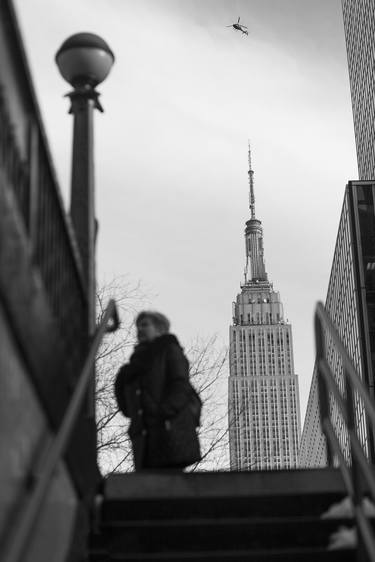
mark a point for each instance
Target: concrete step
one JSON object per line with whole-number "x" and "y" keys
{"x": 157, "y": 484}
{"x": 252, "y": 516}
{"x": 221, "y": 534}
{"x": 218, "y": 507}
{"x": 290, "y": 555}
{"x": 163, "y": 495}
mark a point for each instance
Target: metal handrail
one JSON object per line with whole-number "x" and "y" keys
{"x": 41, "y": 481}
{"x": 350, "y": 369}
{"x": 359, "y": 471}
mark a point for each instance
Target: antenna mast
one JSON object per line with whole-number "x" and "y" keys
{"x": 251, "y": 184}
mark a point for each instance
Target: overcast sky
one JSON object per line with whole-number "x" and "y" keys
{"x": 185, "y": 94}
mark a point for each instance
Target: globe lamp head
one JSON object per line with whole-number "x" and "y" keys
{"x": 84, "y": 59}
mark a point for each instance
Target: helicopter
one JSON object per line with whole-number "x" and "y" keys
{"x": 239, "y": 27}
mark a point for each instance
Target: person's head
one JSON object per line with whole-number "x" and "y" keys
{"x": 151, "y": 325}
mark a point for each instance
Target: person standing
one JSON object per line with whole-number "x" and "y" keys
{"x": 154, "y": 391}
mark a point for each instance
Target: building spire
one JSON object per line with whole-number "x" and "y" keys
{"x": 251, "y": 184}
{"x": 255, "y": 270}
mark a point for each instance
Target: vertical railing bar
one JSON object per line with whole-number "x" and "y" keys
{"x": 345, "y": 471}
{"x": 363, "y": 464}
{"x": 365, "y": 532}
{"x": 33, "y": 183}
{"x": 357, "y": 485}
{"x": 360, "y": 470}
{"x": 355, "y": 471}
{"x": 322, "y": 393}
{"x": 361, "y": 389}
{"x": 331, "y": 383}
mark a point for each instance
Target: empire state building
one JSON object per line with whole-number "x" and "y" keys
{"x": 264, "y": 411}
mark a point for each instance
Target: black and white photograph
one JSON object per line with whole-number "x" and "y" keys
{"x": 187, "y": 280}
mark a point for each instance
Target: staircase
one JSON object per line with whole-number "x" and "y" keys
{"x": 252, "y": 516}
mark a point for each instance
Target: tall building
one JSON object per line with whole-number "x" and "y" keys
{"x": 359, "y": 24}
{"x": 350, "y": 303}
{"x": 264, "y": 411}
{"x": 350, "y": 295}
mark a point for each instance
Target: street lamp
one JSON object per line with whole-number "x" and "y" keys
{"x": 84, "y": 60}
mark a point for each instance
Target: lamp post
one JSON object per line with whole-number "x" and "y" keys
{"x": 84, "y": 60}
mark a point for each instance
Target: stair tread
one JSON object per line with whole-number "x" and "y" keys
{"x": 274, "y": 516}
{"x": 171, "y": 485}
{"x": 198, "y": 537}
{"x": 227, "y": 521}
{"x": 218, "y": 507}
{"x": 308, "y": 554}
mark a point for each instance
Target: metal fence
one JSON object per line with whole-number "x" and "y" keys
{"x": 48, "y": 230}
{"x": 354, "y": 461}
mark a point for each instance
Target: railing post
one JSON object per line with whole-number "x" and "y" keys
{"x": 322, "y": 387}
{"x": 351, "y": 430}
{"x": 33, "y": 183}
{"x": 356, "y": 469}
{"x": 357, "y": 487}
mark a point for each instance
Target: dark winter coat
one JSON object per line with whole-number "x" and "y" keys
{"x": 151, "y": 389}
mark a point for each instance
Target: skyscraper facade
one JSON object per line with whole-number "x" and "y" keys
{"x": 359, "y": 24}
{"x": 350, "y": 303}
{"x": 264, "y": 410}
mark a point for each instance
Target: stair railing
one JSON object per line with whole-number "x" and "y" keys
{"x": 357, "y": 472}
{"x": 42, "y": 478}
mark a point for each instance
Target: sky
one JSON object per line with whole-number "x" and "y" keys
{"x": 184, "y": 96}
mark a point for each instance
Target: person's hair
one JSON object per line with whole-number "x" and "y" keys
{"x": 160, "y": 321}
